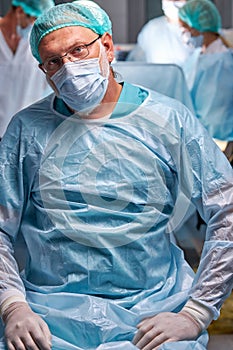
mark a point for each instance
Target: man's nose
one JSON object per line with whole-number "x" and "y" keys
{"x": 67, "y": 57}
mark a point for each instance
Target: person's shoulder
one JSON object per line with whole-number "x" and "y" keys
{"x": 33, "y": 123}
{"x": 39, "y": 107}
{"x": 223, "y": 59}
{"x": 162, "y": 99}
{"x": 33, "y": 114}
{"x": 229, "y": 53}
{"x": 156, "y": 22}
{"x": 174, "y": 115}
{"x": 167, "y": 107}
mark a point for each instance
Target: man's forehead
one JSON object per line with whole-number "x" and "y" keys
{"x": 78, "y": 32}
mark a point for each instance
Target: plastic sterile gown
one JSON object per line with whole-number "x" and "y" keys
{"x": 95, "y": 201}
{"x": 21, "y": 82}
{"x": 209, "y": 77}
{"x": 160, "y": 41}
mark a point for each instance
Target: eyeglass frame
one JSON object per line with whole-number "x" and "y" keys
{"x": 67, "y": 53}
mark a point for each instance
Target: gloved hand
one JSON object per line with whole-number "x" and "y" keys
{"x": 165, "y": 327}
{"x": 24, "y": 329}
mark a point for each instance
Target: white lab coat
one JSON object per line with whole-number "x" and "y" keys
{"x": 160, "y": 42}
{"x": 21, "y": 81}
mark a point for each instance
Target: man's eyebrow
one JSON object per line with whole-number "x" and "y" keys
{"x": 75, "y": 44}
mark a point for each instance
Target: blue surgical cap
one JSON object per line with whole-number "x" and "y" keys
{"x": 34, "y": 8}
{"x": 84, "y": 13}
{"x": 202, "y": 15}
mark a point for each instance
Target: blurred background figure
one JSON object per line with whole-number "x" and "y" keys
{"x": 209, "y": 75}
{"x": 21, "y": 82}
{"x": 160, "y": 41}
{"x": 228, "y": 35}
{"x": 209, "y": 70}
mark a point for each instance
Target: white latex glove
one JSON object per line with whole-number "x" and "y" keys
{"x": 165, "y": 327}
{"x": 24, "y": 329}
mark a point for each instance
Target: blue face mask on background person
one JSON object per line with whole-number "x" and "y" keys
{"x": 82, "y": 84}
{"x": 24, "y": 33}
{"x": 192, "y": 41}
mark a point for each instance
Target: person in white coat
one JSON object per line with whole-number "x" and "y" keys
{"x": 160, "y": 40}
{"x": 21, "y": 82}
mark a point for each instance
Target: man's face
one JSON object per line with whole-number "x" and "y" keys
{"x": 186, "y": 28}
{"x": 23, "y": 19}
{"x": 59, "y": 42}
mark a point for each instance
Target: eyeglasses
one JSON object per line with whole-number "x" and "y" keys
{"x": 76, "y": 53}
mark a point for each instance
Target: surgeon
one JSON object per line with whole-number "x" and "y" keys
{"x": 209, "y": 69}
{"x": 160, "y": 41}
{"x": 91, "y": 176}
{"x": 21, "y": 83}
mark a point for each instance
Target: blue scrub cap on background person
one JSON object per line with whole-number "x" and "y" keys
{"x": 84, "y": 13}
{"x": 202, "y": 15}
{"x": 34, "y": 8}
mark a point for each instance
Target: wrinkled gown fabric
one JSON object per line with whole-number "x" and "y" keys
{"x": 96, "y": 201}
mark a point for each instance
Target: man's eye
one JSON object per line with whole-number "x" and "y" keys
{"x": 54, "y": 61}
{"x": 77, "y": 50}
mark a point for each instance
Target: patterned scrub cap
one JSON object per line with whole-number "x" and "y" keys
{"x": 34, "y": 8}
{"x": 84, "y": 13}
{"x": 202, "y": 15}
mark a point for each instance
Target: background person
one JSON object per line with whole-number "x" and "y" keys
{"x": 21, "y": 83}
{"x": 209, "y": 69}
{"x": 90, "y": 177}
{"x": 208, "y": 72}
{"x": 160, "y": 41}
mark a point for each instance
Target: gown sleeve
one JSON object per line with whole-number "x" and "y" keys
{"x": 212, "y": 194}
{"x": 16, "y": 170}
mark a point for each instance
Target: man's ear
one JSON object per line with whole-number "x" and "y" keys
{"x": 107, "y": 42}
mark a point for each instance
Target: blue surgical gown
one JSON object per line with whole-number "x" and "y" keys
{"x": 210, "y": 78}
{"x": 96, "y": 201}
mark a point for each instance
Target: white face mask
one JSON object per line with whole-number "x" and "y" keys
{"x": 24, "y": 33}
{"x": 171, "y": 8}
{"x": 83, "y": 84}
